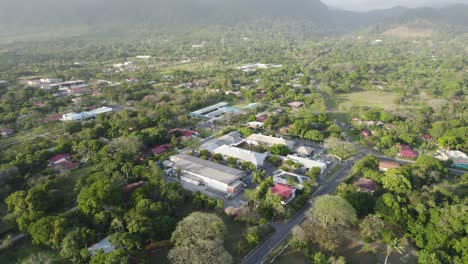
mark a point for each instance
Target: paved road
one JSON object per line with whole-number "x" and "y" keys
{"x": 282, "y": 230}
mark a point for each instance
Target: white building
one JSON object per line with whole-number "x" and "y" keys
{"x": 308, "y": 163}
{"x": 255, "y": 158}
{"x": 232, "y": 139}
{"x": 258, "y": 139}
{"x": 203, "y": 172}
{"x": 86, "y": 114}
{"x": 456, "y": 156}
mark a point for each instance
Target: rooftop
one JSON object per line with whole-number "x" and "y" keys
{"x": 270, "y": 141}
{"x": 283, "y": 190}
{"x": 207, "y": 168}
{"x": 242, "y": 154}
{"x": 366, "y": 184}
{"x": 232, "y": 138}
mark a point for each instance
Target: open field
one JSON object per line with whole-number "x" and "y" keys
{"x": 372, "y": 99}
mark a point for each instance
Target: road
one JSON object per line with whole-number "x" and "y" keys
{"x": 282, "y": 230}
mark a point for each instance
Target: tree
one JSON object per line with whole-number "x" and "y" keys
{"x": 396, "y": 180}
{"x": 279, "y": 149}
{"x": 39, "y": 258}
{"x": 49, "y": 231}
{"x": 371, "y": 227}
{"x": 394, "y": 246}
{"x": 98, "y": 196}
{"x": 258, "y": 176}
{"x": 314, "y": 135}
{"x": 76, "y": 240}
{"x": 193, "y": 144}
{"x": 333, "y": 210}
{"x": 198, "y": 238}
{"x": 340, "y": 148}
{"x": 313, "y": 173}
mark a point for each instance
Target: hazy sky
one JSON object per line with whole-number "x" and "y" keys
{"x": 364, "y": 5}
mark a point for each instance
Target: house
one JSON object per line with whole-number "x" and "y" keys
{"x": 132, "y": 187}
{"x": 255, "y": 158}
{"x": 203, "y": 172}
{"x": 296, "y": 104}
{"x": 407, "y": 152}
{"x": 290, "y": 178}
{"x": 365, "y": 133}
{"x": 255, "y": 124}
{"x": 232, "y": 139}
{"x": 387, "y": 165}
{"x": 214, "y": 111}
{"x": 6, "y": 131}
{"x": 308, "y": 163}
{"x": 161, "y": 149}
{"x": 285, "y": 192}
{"x": 236, "y": 93}
{"x": 259, "y": 139}
{"x": 59, "y": 158}
{"x": 365, "y": 185}
{"x": 261, "y": 117}
{"x": 182, "y": 133}
{"x": 304, "y": 150}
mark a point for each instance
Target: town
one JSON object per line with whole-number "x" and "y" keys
{"x": 255, "y": 143}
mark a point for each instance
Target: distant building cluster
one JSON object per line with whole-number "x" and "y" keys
{"x": 86, "y": 114}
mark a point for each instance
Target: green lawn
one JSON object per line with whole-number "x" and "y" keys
{"x": 372, "y": 99}
{"x": 23, "y": 250}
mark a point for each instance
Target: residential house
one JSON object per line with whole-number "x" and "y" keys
{"x": 365, "y": 133}
{"x": 6, "y": 131}
{"x": 296, "y": 104}
{"x": 308, "y": 163}
{"x": 285, "y": 192}
{"x": 182, "y": 133}
{"x": 203, "y": 172}
{"x": 407, "y": 152}
{"x": 59, "y": 158}
{"x": 387, "y": 165}
{"x": 255, "y": 158}
{"x": 255, "y": 125}
{"x": 366, "y": 185}
{"x": 460, "y": 159}
{"x": 161, "y": 149}
{"x": 259, "y": 139}
{"x": 104, "y": 245}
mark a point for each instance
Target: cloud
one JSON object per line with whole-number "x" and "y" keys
{"x": 365, "y": 5}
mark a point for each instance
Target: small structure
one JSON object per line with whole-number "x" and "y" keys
{"x": 258, "y": 139}
{"x": 407, "y": 152}
{"x": 255, "y": 125}
{"x": 132, "y": 187}
{"x": 304, "y": 150}
{"x": 5, "y": 132}
{"x": 285, "y": 192}
{"x": 308, "y": 163}
{"x": 366, "y": 185}
{"x": 203, "y": 172}
{"x": 296, "y": 104}
{"x": 161, "y": 149}
{"x": 288, "y": 178}
{"x": 59, "y": 158}
{"x": 261, "y": 117}
{"x": 365, "y": 133}
{"x": 255, "y": 158}
{"x": 62, "y": 162}
{"x": 182, "y": 133}
{"x": 387, "y": 165}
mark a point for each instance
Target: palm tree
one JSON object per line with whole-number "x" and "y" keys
{"x": 394, "y": 246}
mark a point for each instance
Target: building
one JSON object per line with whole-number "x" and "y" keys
{"x": 304, "y": 150}
{"x": 255, "y": 125}
{"x": 86, "y": 114}
{"x": 288, "y": 178}
{"x": 285, "y": 192}
{"x": 407, "y": 152}
{"x": 308, "y": 163}
{"x": 365, "y": 185}
{"x": 232, "y": 139}
{"x": 387, "y": 165}
{"x": 59, "y": 158}
{"x": 65, "y": 85}
{"x": 161, "y": 149}
{"x": 5, "y": 132}
{"x": 208, "y": 111}
{"x": 182, "y": 133}
{"x": 459, "y": 158}
{"x": 213, "y": 175}
{"x": 103, "y": 245}
{"x": 259, "y": 139}
{"x": 296, "y": 104}
{"x": 255, "y": 158}
{"x": 365, "y": 133}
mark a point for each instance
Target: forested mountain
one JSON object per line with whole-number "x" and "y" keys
{"x": 157, "y": 15}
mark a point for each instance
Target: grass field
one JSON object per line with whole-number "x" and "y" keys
{"x": 366, "y": 99}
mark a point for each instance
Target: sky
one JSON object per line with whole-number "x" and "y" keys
{"x": 365, "y": 5}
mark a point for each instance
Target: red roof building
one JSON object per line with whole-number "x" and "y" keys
{"x": 65, "y": 165}
{"x": 60, "y": 158}
{"x": 182, "y": 133}
{"x": 161, "y": 148}
{"x": 365, "y": 133}
{"x": 366, "y": 185}
{"x": 261, "y": 118}
{"x": 286, "y": 192}
{"x": 132, "y": 187}
{"x": 407, "y": 152}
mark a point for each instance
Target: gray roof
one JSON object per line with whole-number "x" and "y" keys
{"x": 207, "y": 168}
{"x": 232, "y": 138}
